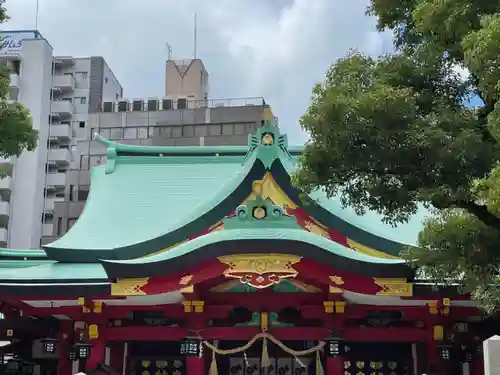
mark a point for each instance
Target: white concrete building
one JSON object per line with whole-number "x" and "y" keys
{"x": 59, "y": 91}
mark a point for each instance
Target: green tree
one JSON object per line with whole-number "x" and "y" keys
{"x": 392, "y": 133}
{"x": 16, "y": 131}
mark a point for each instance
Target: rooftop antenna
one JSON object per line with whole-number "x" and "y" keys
{"x": 36, "y": 15}
{"x": 195, "y": 36}
{"x": 169, "y": 51}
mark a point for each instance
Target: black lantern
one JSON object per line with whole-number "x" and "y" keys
{"x": 466, "y": 356}
{"x": 191, "y": 347}
{"x": 82, "y": 350}
{"x": 335, "y": 347}
{"x": 72, "y": 354}
{"x": 49, "y": 345}
{"x": 444, "y": 353}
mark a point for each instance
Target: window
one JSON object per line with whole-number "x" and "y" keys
{"x": 105, "y": 80}
{"x": 59, "y": 225}
{"x": 83, "y": 192}
{"x": 83, "y": 100}
{"x": 81, "y": 124}
{"x": 116, "y": 133}
{"x": 214, "y": 130}
{"x": 130, "y": 133}
{"x": 71, "y": 187}
{"x": 81, "y": 74}
{"x": 68, "y": 74}
{"x": 16, "y": 67}
{"x": 117, "y": 96}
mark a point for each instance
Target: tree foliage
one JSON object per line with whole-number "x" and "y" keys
{"x": 392, "y": 133}
{"x": 16, "y": 131}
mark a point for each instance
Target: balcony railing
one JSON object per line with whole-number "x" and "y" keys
{"x": 59, "y": 156}
{"x": 60, "y": 131}
{"x": 56, "y": 180}
{"x": 64, "y": 83}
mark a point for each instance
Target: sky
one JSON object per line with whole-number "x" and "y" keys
{"x": 276, "y": 49}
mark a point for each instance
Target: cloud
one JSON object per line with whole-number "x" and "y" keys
{"x": 276, "y": 49}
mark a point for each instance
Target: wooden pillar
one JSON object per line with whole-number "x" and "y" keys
{"x": 64, "y": 365}
{"x": 97, "y": 354}
{"x": 334, "y": 357}
{"x": 334, "y": 365}
{"x": 195, "y": 365}
{"x": 433, "y": 360}
{"x": 116, "y": 356}
{"x": 477, "y": 366}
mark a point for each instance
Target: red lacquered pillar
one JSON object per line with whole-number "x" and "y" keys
{"x": 334, "y": 366}
{"x": 334, "y": 358}
{"x": 192, "y": 348}
{"x": 116, "y": 356}
{"x": 64, "y": 365}
{"x": 195, "y": 365}
{"x": 97, "y": 355}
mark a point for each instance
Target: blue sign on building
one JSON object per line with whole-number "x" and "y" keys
{"x": 11, "y": 41}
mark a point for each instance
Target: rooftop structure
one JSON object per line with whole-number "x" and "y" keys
{"x": 189, "y": 258}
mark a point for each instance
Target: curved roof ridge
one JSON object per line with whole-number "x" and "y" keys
{"x": 122, "y": 148}
{"x": 295, "y": 234}
{"x": 249, "y": 240}
{"x": 24, "y": 254}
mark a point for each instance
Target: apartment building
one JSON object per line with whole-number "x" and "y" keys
{"x": 59, "y": 91}
{"x": 184, "y": 116}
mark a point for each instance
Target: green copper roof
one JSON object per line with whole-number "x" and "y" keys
{"x": 144, "y": 194}
{"x": 148, "y": 196}
{"x": 71, "y": 272}
{"x": 22, "y": 254}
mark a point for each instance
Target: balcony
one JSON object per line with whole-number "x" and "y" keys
{"x": 62, "y": 108}
{"x": 50, "y": 202}
{"x": 64, "y": 61}
{"x": 55, "y": 180}
{"x": 4, "y": 235}
{"x": 47, "y": 229}
{"x": 59, "y": 156}
{"x": 4, "y": 213}
{"x": 6, "y": 184}
{"x": 61, "y": 132}
{"x": 14, "y": 81}
{"x": 64, "y": 83}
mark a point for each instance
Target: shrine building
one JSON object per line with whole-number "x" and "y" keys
{"x": 207, "y": 260}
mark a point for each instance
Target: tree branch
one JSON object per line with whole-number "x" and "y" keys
{"x": 478, "y": 210}
{"x": 482, "y": 116}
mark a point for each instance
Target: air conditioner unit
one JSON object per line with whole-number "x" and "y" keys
{"x": 182, "y": 103}
{"x": 153, "y": 105}
{"x": 107, "y": 106}
{"x": 167, "y": 104}
{"x": 122, "y": 106}
{"x": 137, "y": 105}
